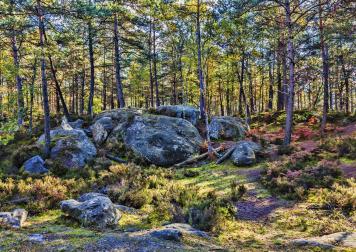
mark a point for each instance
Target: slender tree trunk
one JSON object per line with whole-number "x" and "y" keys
{"x": 280, "y": 94}
{"x": 32, "y": 91}
{"x": 271, "y": 83}
{"x": 151, "y": 71}
{"x": 105, "y": 81}
{"x": 290, "y": 53}
{"x": 158, "y": 103}
{"x": 324, "y": 56}
{"x": 44, "y": 83}
{"x": 120, "y": 94}
{"x": 92, "y": 70}
{"x": 201, "y": 81}
{"x": 20, "y": 99}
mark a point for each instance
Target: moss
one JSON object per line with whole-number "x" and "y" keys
{"x": 24, "y": 153}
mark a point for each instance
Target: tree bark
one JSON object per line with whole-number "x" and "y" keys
{"x": 324, "y": 55}
{"x": 290, "y": 53}
{"x": 47, "y": 145}
{"x": 158, "y": 103}
{"x": 120, "y": 94}
{"x": 92, "y": 70}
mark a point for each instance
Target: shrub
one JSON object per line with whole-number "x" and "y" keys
{"x": 41, "y": 194}
{"x": 237, "y": 190}
{"x": 347, "y": 148}
{"x": 24, "y": 153}
{"x": 340, "y": 196}
{"x": 285, "y": 149}
{"x": 296, "y": 181}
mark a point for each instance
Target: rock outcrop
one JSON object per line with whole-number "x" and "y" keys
{"x": 70, "y": 147}
{"x": 188, "y": 113}
{"x": 92, "y": 210}
{"x": 245, "y": 153}
{"x": 152, "y": 139}
{"x": 14, "y": 219}
{"x": 35, "y": 165}
{"x": 227, "y": 128}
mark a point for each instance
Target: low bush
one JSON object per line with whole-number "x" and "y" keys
{"x": 340, "y": 196}
{"x": 24, "y": 153}
{"x": 295, "y": 179}
{"x": 347, "y": 148}
{"x": 40, "y": 194}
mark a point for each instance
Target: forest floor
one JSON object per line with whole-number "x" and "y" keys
{"x": 264, "y": 221}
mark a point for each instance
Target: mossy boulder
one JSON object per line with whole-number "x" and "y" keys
{"x": 72, "y": 148}
{"x": 227, "y": 128}
{"x": 188, "y": 113}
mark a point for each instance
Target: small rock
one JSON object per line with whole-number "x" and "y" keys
{"x": 96, "y": 211}
{"x": 37, "y": 238}
{"x": 13, "y": 219}
{"x": 244, "y": 153}
{"x": 167, "y": 234}
{"x": 35, "y": 165}
{"x": 187, "y": 229}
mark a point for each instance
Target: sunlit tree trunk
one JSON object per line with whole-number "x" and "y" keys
{"x": 44, "y": 82}
{"x": 290, "y": 55}
{"x": 120, "y": 94}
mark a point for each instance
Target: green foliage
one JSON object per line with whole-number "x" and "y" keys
{"x": 7, "y": 131}
{"x": 24, "y": 153}
{"x": 347, "y": 148}
{"x": 41, "y": 194}
{"x": 295, "y": 179}
{"x": 237, "y": 190}
{"x": 341, "y": 196}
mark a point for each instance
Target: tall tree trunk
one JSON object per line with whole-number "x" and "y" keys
{"x": 105, "y": 81}
{"x": 151, "y": 71}
{"x": 120, "y": 94}
{"x": 32, "y": 91}
{"x": 280, "y": 94}
{"x": 271, "y": 83}
{"x": 201, "y": 81}
{"x": 92, "y": 70}
{"x": 290, "y": 53}
{"x": 47, "y": 146}
{"x": 158, "y": 103}
{"x": 324, "y": 56}
{"x": 20, "y": 99}
{"x": 242, "y": 92}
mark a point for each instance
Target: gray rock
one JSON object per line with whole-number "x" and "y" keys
{"x": 97, "y": 211}
{"x": 77, "y": 124}
{"x": 14, "y": 219}
{"x": 188, "y": 113}
{"x": 89, "y": 196}
{"x": 244, "y": 153}
{"x": 187, "y": 229}
{"x": 35, "y": 165}
{"x": 167, "y": 234}
{"x": 227, "y": 128}
{"x": 72, "y": 148}
{"x": 36, "y": 238}
{"x": 120, "y": 115}
{"x": 161, "y": 140}
{"x": 101, "y": 129}
{"x": 343, "y": 239}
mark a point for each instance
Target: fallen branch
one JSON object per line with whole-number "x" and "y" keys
{"x": 196, "y": 158}
{"x": 116, "y": 159}
{"x": 226, "y": 155}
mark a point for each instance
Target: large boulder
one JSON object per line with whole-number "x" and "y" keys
{"x": 244, "y": 153}
{"x": 92, "y": 210}
{"x": 161, "y": 140}
{"x": 188, "y": 113}
{"x": 14, "y": 219}
{"x": 70, "y": 147}
{"x": 227, "y": 128}
{"x": 35, "y": 165}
